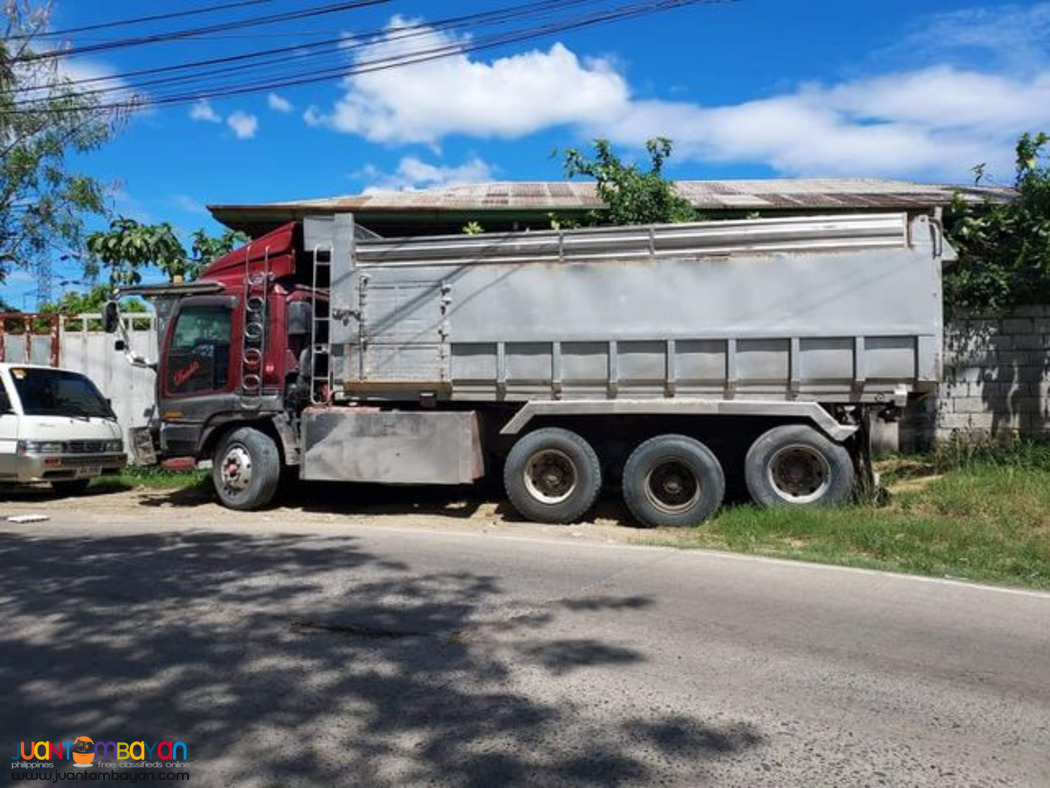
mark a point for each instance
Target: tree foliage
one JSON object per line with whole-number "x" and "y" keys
{"x": 631, "y": 196}
{"x": 1004, "y": 247}
{"x": 94, "y": 300}
{"x": 43, "y": 120}
{"x": 128, "y": 246}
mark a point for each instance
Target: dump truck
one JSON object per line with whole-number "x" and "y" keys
{"x": 667, "y": 360}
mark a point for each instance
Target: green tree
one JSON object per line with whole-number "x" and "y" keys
{"x": 631, "y": 196}
{"x": 128, "y": 246}
{"x": 207, "y": 249}
{"x": 1004, "y": 246}
{"x": 94, "y": 300}
{"x": 43, "y": 120}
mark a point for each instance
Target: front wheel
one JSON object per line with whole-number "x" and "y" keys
{"x": 673, "y": 480}
{"x": 246, "y": 469}
{"x": 552, "y": 475}
{"x": 794, "y": 465}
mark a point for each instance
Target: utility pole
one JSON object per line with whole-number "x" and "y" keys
{"x": 42, "y": 271}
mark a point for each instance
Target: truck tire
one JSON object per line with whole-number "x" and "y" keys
{"x": 795, "y": 465}
{"x": 71, "y": 486}
{"x": 246, "y": 469}
{"x": 552, "y": 475}
{"x": 673, "y": 480}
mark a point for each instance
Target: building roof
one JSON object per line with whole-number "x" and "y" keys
{"x": 520, "y": 200}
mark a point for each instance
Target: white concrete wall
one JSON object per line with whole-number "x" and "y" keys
{"x": 84, "y": 347}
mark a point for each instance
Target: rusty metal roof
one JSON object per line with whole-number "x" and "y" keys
{"x": 539, "y": 197}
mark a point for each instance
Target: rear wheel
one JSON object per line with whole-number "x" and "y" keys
{"x": 673, "y": 480}
{"x": 71, "y": 486}
{"x": 795, "y": 465}
{"x": 246, "y": 469}
{"x": 552, "y": 475}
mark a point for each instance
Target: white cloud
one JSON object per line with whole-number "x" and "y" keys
{"x": 413, "y": 173}
{"x": 938, "y": 122}
{"x": 279, "y": 103}
{"x": 202, "y": 110}
{"x": 1013, "y": 36}
{"x": 508, "y": 97}
{"x": 82, "y": 75}
{"x": 244, "y": 125}
{"x": 931, "y": 120}
{"x": 188, "y": 204}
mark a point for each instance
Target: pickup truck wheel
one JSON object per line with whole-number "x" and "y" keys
{"x": 552, "y": 475}
{"x": 71, "y": 487}
{"x": 246, "y": 469}
{"x": 795, "y": 465}
{"x": 673, "y": 480}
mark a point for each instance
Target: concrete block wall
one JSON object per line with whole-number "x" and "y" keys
{"x": 996, "y": 382}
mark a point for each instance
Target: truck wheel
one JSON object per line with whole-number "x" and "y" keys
{"x": 552, "y": 476}
{"x": 673, "y": 480}
{"x": 246, "y": 469}
{"x": 71, "y": 487}
{"x": 794, "y": 465}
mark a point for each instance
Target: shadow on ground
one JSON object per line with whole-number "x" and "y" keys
{"x": 286, "y": 659}
{"x": 461, "y": 502}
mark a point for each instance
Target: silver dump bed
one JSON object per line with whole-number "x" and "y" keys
{"x": 827, "y": 309}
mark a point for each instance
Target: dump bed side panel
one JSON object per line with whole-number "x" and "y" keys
{"x": 821, "y": 315}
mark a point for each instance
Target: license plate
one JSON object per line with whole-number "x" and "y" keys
{"x": 88, "y": 470}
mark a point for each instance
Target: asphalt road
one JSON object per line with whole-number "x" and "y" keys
{"x": 312, "y": 654}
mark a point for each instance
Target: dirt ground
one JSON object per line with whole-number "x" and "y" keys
{"x": 433, "y": 509}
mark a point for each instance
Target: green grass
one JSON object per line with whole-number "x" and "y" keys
{"x": 986, "y": 517}
{"x": 153, "y": 477}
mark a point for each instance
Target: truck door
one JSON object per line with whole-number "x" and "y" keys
{"x": 198, "y": 370}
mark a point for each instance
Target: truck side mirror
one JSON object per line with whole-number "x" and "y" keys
{"x": 120, "y": 346}
{"x": 111, "y": 317}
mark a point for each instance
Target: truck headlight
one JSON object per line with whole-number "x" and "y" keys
{"x": 40, "y": 447}
{"x": 114, "y": 447}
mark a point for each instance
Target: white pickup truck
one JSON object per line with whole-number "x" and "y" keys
{"x": 55, "y": 427}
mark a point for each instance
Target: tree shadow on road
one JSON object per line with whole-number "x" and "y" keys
{"x": 285, "y": 658}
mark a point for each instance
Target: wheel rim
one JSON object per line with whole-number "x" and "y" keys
{"x": 799, "y": 474}
{"x": 236, "y": 469}
{"x": 672, "y": 487}
{"x": 550, "y": 476}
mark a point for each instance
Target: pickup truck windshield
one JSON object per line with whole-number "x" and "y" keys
{"x": 56, "y": 392}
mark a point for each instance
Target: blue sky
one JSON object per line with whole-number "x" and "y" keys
{"x": 921, "y": 90}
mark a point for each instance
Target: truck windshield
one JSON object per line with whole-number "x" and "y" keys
{"x": 199, "y": 351}
{"x": 57, "y": 392}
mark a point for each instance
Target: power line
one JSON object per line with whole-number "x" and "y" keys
{"x": 396, "y": 60}
{"x": 176, "y": 35}
{"x": 140, "y": 19}
{"x": 329, "y": 46}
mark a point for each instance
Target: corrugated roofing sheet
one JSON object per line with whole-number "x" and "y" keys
{"x": 540, "y": 197}
{"x": 709, "y": 195}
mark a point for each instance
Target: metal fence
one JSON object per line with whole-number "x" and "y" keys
{"x": 78, "y": 342}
